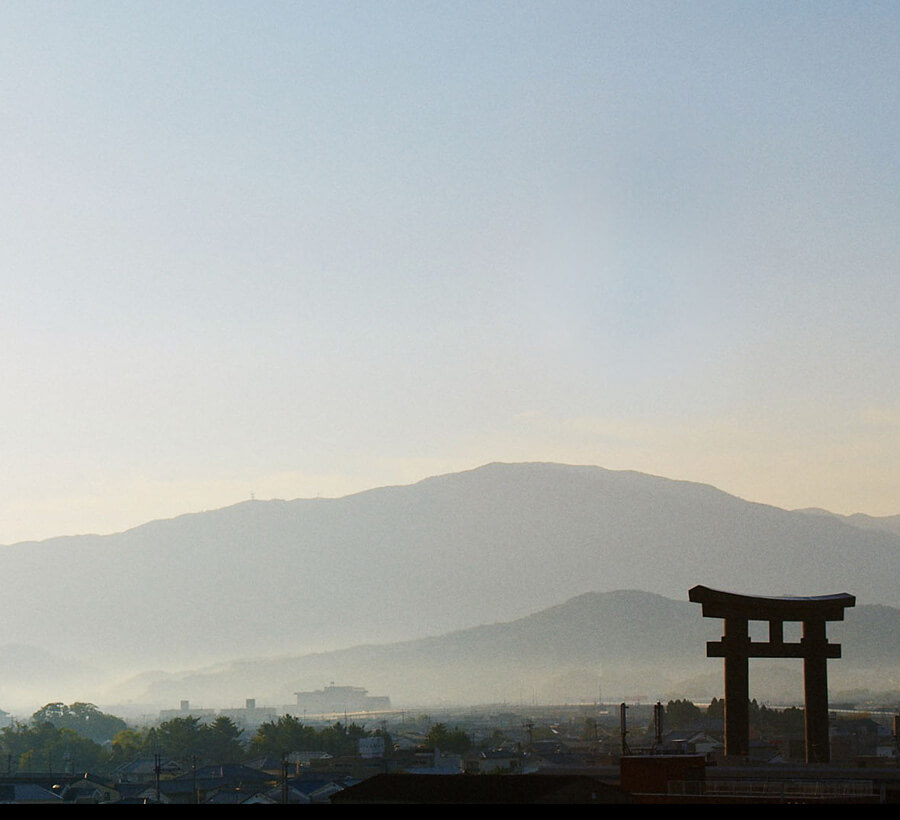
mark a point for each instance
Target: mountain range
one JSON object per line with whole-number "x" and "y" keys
{"x": 617, "y": 645}
{"x": 395, "y": 565}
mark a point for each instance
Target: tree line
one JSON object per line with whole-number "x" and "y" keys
{"x": 683, "y": 714}
{"x": 79, "y": 737}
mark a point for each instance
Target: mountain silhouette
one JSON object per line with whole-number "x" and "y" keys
{"x": 619, "y": 645}
{"x": 395, "y": 564}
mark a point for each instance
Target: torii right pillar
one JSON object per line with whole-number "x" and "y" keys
{"x": 736, "y": 648}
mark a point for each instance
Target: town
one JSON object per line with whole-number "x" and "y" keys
{"x": 570, "y": 753}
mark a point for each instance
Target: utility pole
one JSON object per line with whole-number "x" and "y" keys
{"x": 658, "y": 714}
{"x": 623, "y": 727}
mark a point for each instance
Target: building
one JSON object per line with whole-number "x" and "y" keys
{"x": 185, "y": 710}
{"x": 339, "y": 699}
{"x": 251, "y": 717}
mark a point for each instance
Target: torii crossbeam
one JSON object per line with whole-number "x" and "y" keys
{"x": 736, "y": 648}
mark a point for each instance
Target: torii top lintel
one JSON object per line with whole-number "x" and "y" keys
{"x": 718, "y": 604}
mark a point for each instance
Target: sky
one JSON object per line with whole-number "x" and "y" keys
{"x": 300, "y": 249}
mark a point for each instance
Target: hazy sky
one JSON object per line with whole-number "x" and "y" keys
{"x": 301, "y": 248}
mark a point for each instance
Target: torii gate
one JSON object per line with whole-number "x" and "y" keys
{"x": 736, "y": 647}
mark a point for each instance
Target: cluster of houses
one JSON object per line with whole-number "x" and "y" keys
{"x": 298, "y": 778}
{"x": 852, "y": 739}
{"x": 515, "y": 763}
{"x": 551, "y": 771}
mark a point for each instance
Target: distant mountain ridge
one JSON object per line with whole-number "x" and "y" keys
{"x": 887, "y": 523}
{"x": 619, "y": 644}
{"x": 393, "y": 564}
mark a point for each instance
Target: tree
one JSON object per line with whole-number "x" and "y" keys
{"x": 53, "y": 713}
{"x": 288, "y": 735}
{"x": 386, "y": 736}
{"x": 220, "y": 741}
{"x": 179, "y": 738}
{"x": 455, "y": 740}
{"x": 770, "y": 722}
{"x": 84, "y": 718}
{"x": 342, "y": 740}
{"x": 681, "y": 713}
{"x": 129, "y": 744}
{"x": 283, "y": 736}
{"x": 42, "y": 747}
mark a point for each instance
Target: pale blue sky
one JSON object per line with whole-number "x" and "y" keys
{"x": 300, "y": 248}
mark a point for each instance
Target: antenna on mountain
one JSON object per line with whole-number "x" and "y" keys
{"x": 253, "y": 496}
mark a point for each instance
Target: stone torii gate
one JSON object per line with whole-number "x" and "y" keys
{"x": 736, "y": 648}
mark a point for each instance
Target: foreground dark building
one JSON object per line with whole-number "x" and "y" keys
{"x": 481, "y": 789}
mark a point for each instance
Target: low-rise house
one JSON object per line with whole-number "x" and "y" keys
{"x": 493, "y": 762}
{"x": 692, "y": 742}
{"x": 91, "y": 789}
{"x": 856, "y": 737}
{"x": 26, "y": 793}
{"x": 426, "y": 760}
{"x": 197, "y": 786}
{"x": 318, "y": 790}
{"x": 143, "y": 770}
